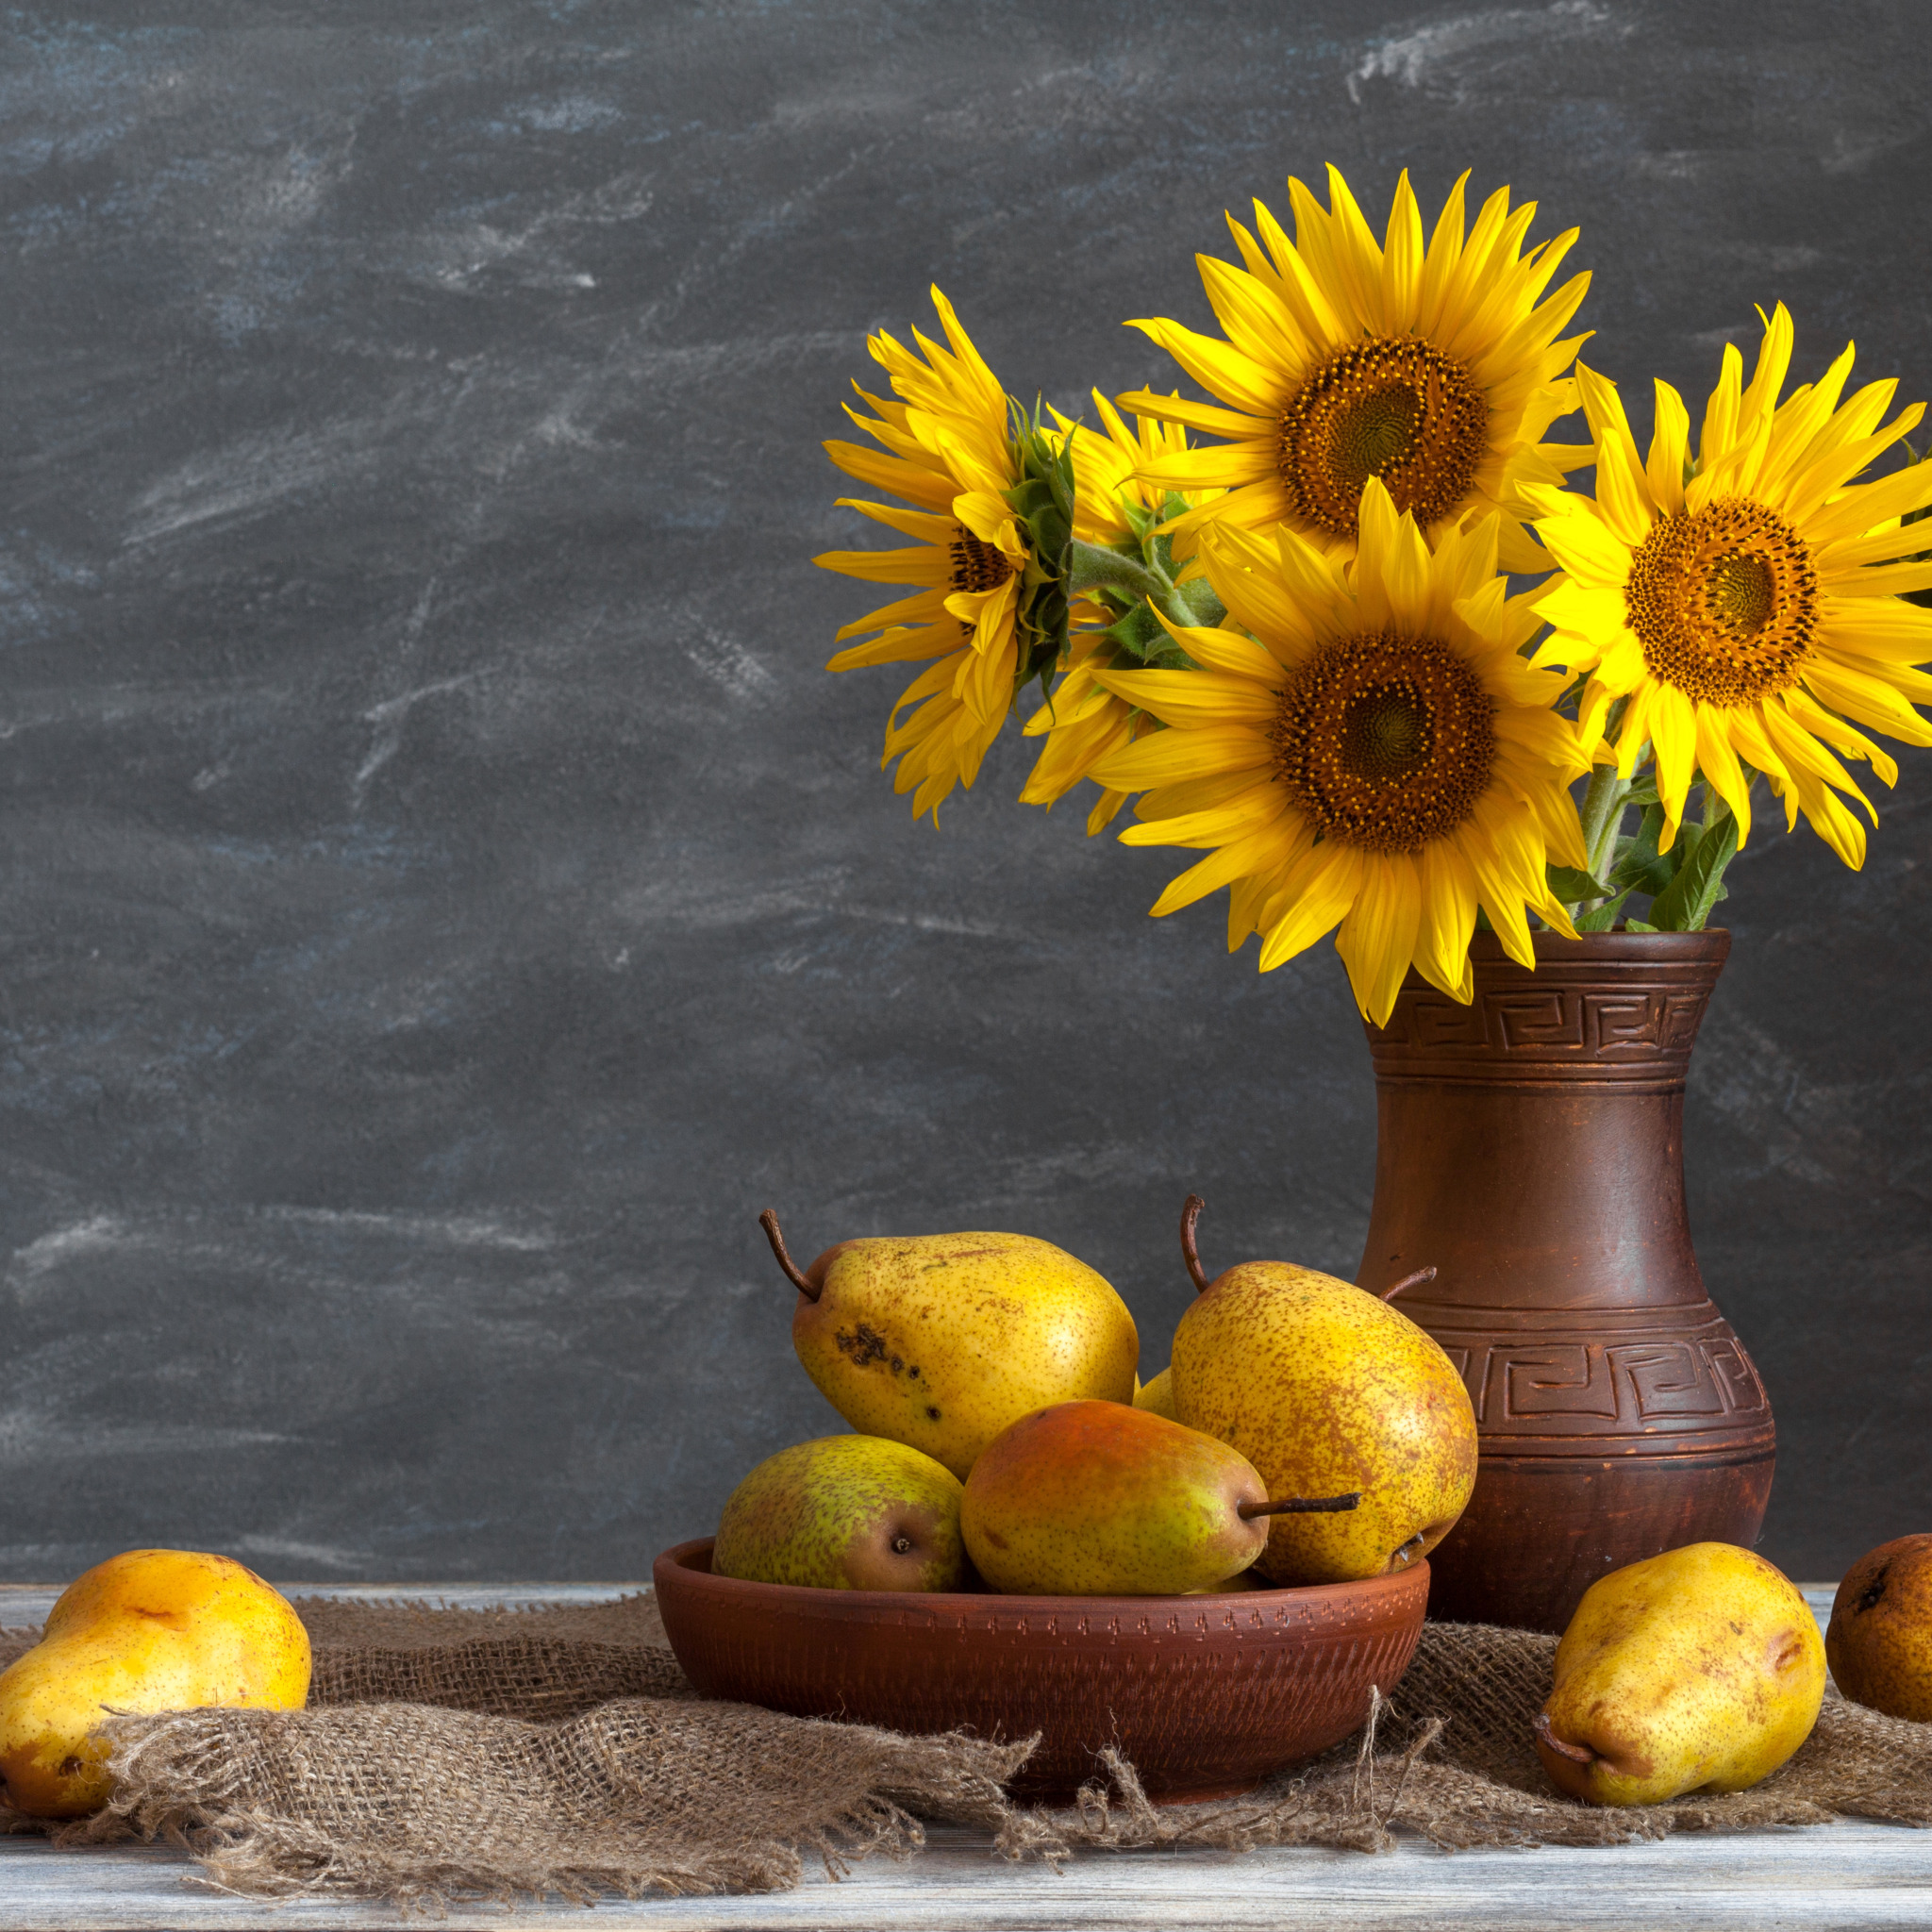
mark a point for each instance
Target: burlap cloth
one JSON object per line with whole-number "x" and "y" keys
{"x": 458, "y": 1754}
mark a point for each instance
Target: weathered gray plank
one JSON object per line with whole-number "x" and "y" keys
{"x": 1830, "y": 1877}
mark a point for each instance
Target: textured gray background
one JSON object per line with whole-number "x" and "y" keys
{"x": 445, "y": 898}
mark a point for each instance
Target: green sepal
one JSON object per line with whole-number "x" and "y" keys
{"x": 1140, "y": 634}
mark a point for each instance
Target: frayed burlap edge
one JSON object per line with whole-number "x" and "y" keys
{"x": 429, "y": 1808}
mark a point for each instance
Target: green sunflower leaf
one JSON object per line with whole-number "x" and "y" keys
{"x": 1640, "y": 866}
{"x": 1573, "y": 887}
{"x": 1685, "y": 903}
{"x": 1603, "y": 917}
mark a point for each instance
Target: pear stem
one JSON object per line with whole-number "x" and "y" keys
{"x": 1191, "y": 1213}
{"x": 1415, "y": 1280}
{"x": 802, "y": 1282}
{"x": 1299, "y": 1506}
{"x": 1577, "y": 1754}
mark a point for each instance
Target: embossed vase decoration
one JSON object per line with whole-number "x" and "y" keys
{"x": 1530, "y": 1147}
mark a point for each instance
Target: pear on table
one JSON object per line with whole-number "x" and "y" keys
{"x": 1698, "y": 1670}
{"x": 1879, "y": 1642}
{"x": 941, "y": 1340}
{"x": 1104, "y": 1499}
{"x": 148, "y": 1630}
{"x": 844, "y": 1513}
{"x": 1326, "y": 1388}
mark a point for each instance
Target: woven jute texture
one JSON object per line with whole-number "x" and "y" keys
{"x": 449, "y": 1755}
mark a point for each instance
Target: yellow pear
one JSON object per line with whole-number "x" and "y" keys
{"x": 1698, "y": 1670}
{"x": 1103, "y": 1499}
{"x": 1879, "y": 1642}
{"x": 1156, "y": 1397}
{"x": 941, "y": 1340}
{"x": 149, "y": 1630}
{"x": 1326, "y": 1390}
{"x": 844, "y": 1513}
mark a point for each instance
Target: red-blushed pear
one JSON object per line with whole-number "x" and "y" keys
{"x": 844, "y": 1513}
{"x": 1103, "y": 1499}
{"x": 941, "y": 1340}
{"x": 1326, "y": 1388}
{"x": 1698, "y": 1670}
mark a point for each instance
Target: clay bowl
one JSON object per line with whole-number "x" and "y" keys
{"x": 1204, "y": 1694}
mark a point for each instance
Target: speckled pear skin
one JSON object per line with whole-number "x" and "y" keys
{"x": 832, "y": 1513}
{"x": 1326, "y": 1390}
{"x": 1103, "y": 1499}
{"x": 1698, "y": 1670}
{"x": 147, "y": 1630}
{"x": 1156, "y": 1397}
{"x": 1879, "y": 1641}
{"x": 941, "y": 1340}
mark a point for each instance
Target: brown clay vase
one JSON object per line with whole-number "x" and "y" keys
{"x": 1530, "y": 1147}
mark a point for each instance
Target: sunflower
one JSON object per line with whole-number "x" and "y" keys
{"x": 1746, "y": 608}
{"x": 1378, "y": 753}
{"x": 984, "y": 603}
{"x": 1085, "y": 722}
{"x": 1434, "y": 369}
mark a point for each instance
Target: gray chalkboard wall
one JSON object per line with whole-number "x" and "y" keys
{"x": 444, "y": 896}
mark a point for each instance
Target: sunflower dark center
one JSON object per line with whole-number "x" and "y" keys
{"x": 976, "y": 565}
{"x": 1391, "y": 407}
{"x": 1725, "y": 602}
{"x": 1386, "y": 741}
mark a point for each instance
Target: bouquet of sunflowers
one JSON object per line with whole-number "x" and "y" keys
{"x": 1299, "y": 649}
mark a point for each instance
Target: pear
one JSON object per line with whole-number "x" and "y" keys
{"x": 1156, "y": 1397}
{"x": 1879, "y": 1643}
{"x": 844, "y": 1513}
{"x": 1326, "y": 1388}
{"x": 1103, "y": 1499}
{"x": 147, "y": 1630}
{"x": 1698, "y": 1670}
{"x": 941, "y": 1340}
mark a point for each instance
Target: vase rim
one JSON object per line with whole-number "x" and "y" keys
{"x": 1713, "y": 943}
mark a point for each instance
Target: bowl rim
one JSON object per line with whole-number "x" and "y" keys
{"x": 681, "y": 1559}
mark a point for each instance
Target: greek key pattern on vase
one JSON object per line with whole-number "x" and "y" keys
{"x": 1534, "y": 1387}
{"x": 1635, "y": 1033}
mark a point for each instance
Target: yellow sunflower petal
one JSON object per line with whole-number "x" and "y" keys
{"x": 1377, "y": 940}
{"x": 1670, "y": 447}
{"x": 1330, "y": 876}
{"x": 1167, "y": 757}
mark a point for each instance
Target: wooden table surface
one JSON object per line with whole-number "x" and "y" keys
{"x": 1822, "y": 1880}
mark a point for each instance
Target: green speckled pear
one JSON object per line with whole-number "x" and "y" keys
{"x": 844, "y": 1513}
{"x": 1103, "y": 1499}
{"x": 1698, "y": 1670}
{"x": 1325, "y": 1388}
{"x": 941, "y": 1340}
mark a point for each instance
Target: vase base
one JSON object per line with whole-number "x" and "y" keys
{"x": 1540, "y": 1530}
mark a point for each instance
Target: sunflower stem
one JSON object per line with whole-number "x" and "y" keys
{"x": 1603, "y": 819}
